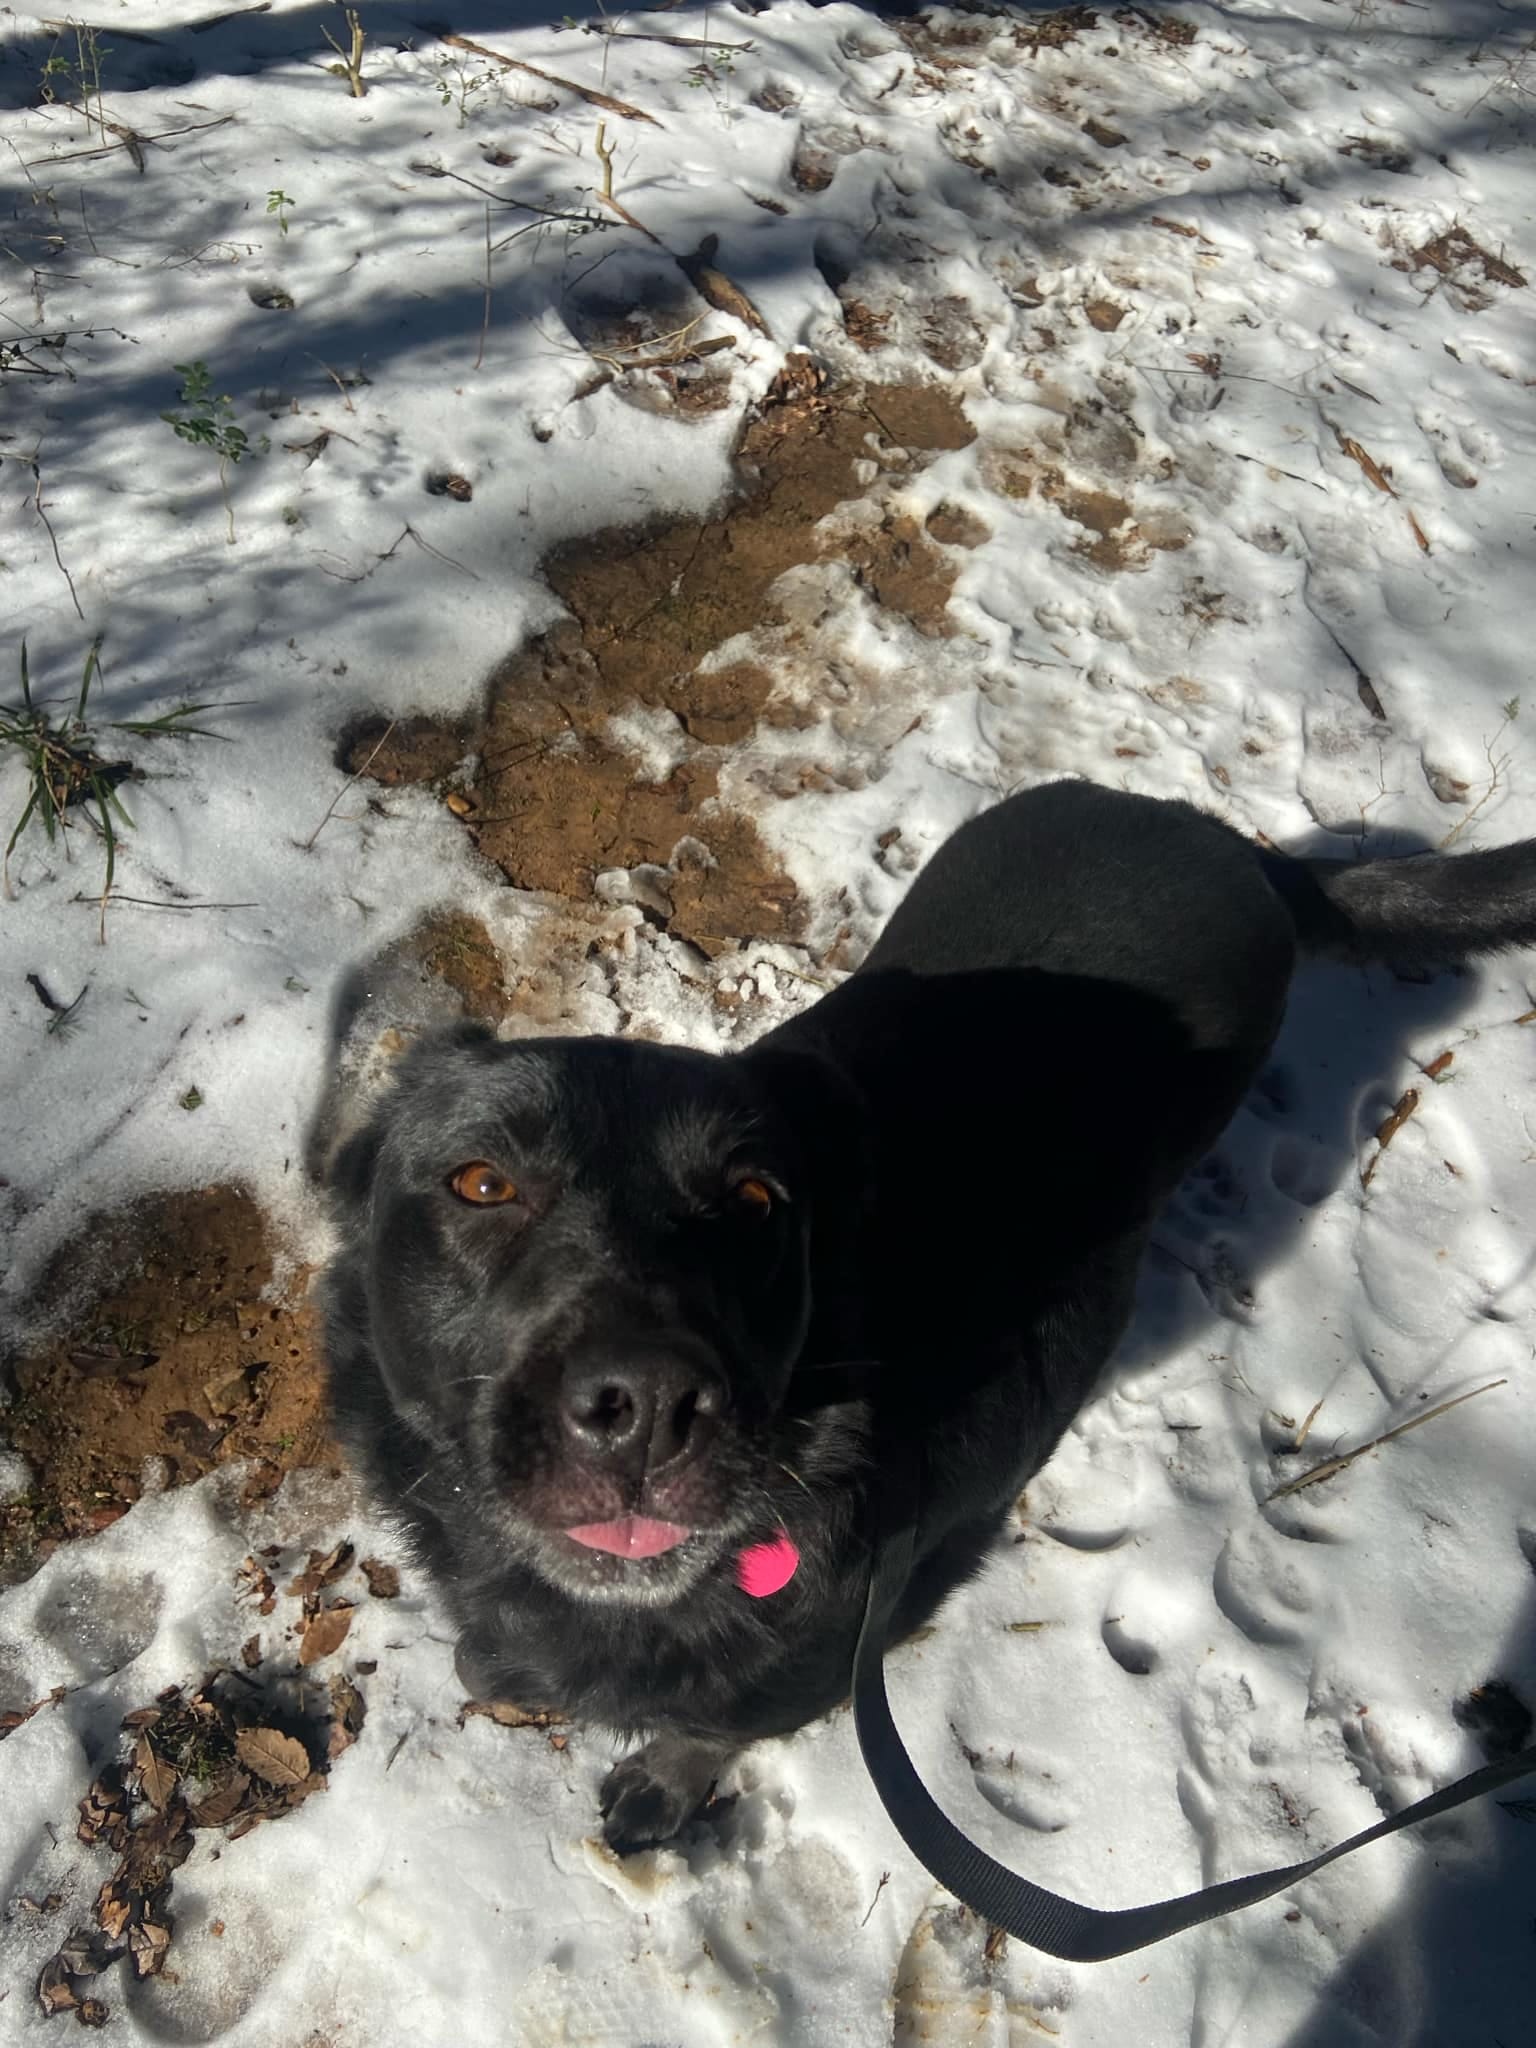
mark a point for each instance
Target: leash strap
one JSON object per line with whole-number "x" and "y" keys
{"x": 1061, "y": 1927}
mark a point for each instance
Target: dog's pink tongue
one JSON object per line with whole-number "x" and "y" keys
{"x": 630, "y": 1536}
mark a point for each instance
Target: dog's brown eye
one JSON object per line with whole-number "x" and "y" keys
{"x": 482, "y": 1184}
{"x": 754, "y": 1196}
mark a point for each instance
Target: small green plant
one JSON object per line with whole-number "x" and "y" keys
{"x": 208, "y": 420}
{"x": 351, "y": 66}
{"x": 76, "y": 81}
{"x": 280, "y": 204}
{"x": 713, "y": 74}
{"x": 66, "y": 769}
{"x": 457, "y": 84}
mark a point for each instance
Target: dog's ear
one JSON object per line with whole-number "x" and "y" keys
{"x": 382, "y": 1006}
{"x": 823, "y": 1110}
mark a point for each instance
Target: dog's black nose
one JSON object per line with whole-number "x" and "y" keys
{"x": 637, "y": 1415}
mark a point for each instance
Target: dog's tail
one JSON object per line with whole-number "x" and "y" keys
{"x": 1424, "y": 908}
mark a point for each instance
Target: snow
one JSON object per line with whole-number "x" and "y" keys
{"x": 1218, "y": 1683}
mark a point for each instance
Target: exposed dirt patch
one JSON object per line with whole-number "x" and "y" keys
{"x": 902, "y": 570}
{"x": 182, "y": 1366}
{"x": 1116, "y": 535}
{"x": 558, "y": 802}
{"x": 601, "y": 743}
{"x": 954, "y": 527}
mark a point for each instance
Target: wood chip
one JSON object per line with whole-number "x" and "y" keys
{"x": 506, "y": 1715}
{"x": 1438, "y": 1066}
{"x": 716, "y": 288}
{"x": 1386, "y": 1131}
{"x": 1372, "y": 468}
{"x": 275, "y": 1758}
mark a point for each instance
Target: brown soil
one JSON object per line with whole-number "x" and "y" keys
{"x": 185, "y": 1365}
{"x": 556, "y": 798}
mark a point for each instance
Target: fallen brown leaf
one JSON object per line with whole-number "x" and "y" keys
{"x": 147, "y": 1944}
{"x": 223, "y": 1804}
{"x": 325, "y": 1632}
{"x": 55, "y": 1993}
{"x": 275, "y": 1758}
{"x": 157, "y": 1778}
{"x": 323, "y": 1569}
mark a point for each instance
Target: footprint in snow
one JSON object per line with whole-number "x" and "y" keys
{"x": 100, "y": 1621}
{"x": 1264, "y": 1590}
{"x": 1303, "y": 1172}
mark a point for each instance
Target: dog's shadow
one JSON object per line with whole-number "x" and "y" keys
{"x": 1354, "y": 1041}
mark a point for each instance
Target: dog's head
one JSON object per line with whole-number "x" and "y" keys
{"x": 584, "y": 1266}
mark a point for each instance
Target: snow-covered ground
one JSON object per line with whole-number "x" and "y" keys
{"x": 1235, "y": 298}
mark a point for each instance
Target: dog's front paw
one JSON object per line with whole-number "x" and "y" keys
{"x": 650, "y": 1795}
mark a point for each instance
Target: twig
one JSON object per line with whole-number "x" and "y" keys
{"x": 1306, "y": 1428}
{"x": 1264, "y": 463}
{"x": 485, "y": 318}
{"x": 351, "y": 65}
{"x": 336, "y": 799}
{"x": 632, "y": 35}
{"x": 105, "y": 148}
{"x": 335, "y": 378}
{"x": 885, "y": 1878}
{"x": 159, "y": 903}
{"x": 36, "y": 468}
{"x": 1404, "y": 1108}
{"x": 583, "y": 92}
{"x": 1330, "y": 1467}
{"x": 605, "y": 157}
{"x": 1497, "y": 768}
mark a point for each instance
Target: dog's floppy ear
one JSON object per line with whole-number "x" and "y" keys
{"x": 382, "y": 1006}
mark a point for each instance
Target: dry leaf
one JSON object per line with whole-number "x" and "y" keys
{"x": 383, "y": 1579}
{"x": 323, "y": 1569}
{"x": 114, "y": 1909}
{"x": 147, "y": 1944}
{"x": 250, "y": 1652}
{"x": 275, "y": 1758}
{"x": 92, "y": 2013}
{"x": 325, "y": 1632}
{"x": 157, "y": 1778}
{"x": 349, "y": 1711}
{"x": 55, "y": 1993}
{"x": 223, "y": 1804}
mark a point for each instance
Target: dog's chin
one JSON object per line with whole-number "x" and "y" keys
{"x": 602, "y": 1578}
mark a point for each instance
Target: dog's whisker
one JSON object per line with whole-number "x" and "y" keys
{"x": 793, "y": 1474}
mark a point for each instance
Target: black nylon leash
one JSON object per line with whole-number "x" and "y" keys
{"x": 1061, "y": 1927}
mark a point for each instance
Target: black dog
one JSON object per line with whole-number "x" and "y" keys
{"x": 622, "y": 1332}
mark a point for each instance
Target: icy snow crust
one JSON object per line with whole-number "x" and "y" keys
{"x": 1216, "y": 1682}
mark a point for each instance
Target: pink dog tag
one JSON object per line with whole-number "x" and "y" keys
{"x": 766, "y": 1567}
